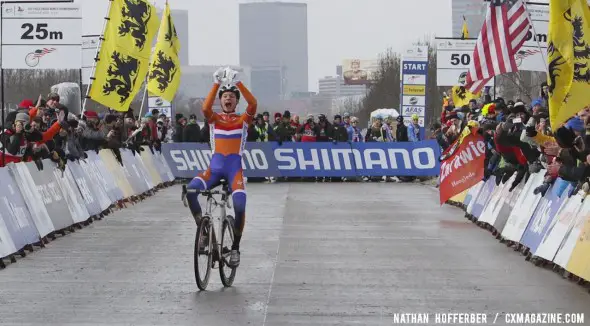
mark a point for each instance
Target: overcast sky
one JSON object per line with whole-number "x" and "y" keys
{"x": 337, "y": 29}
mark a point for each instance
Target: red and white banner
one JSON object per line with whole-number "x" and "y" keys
{"x": 462, "y": 165}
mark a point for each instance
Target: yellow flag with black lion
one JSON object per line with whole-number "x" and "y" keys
{"x": 569, "y": 59}
{"x": 164, "y": 73}
{"x": 124, "y": 54}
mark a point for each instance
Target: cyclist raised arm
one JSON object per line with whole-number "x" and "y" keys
{"x": 227, "y": 130}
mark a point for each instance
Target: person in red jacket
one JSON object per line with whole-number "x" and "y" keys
{"x": 17, "y": 142}
{"x": 309, "y": 131}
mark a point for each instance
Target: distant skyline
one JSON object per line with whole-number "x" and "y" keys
{"x": 337, "y": 29}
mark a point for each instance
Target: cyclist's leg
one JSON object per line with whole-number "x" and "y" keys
{"x": 239, "y": 199}
{"x": 203, "y": 181}
{"x": 235, "y": 180}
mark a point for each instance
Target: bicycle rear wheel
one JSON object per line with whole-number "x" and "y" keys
{"x": 226, "y": 273}
{"x": 203, "y": 250}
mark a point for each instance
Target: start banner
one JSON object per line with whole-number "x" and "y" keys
{"x": 314, "y": 159}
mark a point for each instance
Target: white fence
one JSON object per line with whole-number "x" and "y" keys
{"x": 35, "y": 203}
{"x": 554, "y": 228}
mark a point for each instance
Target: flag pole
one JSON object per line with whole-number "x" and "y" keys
{"x": 98, "y": 46}
{"x": 145, "y": 91}
{"x": 536, "y": 39}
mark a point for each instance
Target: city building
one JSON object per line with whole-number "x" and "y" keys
{"x": 273, "y": 42}
{"x": 474, "y": 12}
{"x": 334, "y": 87}
{"x": 180, "y": 18}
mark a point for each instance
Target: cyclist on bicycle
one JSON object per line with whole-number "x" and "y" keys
{"x": 228, "y": 137}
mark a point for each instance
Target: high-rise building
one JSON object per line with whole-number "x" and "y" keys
{"x": 273, "y": 42}
{"x": 474, "y": 12}
{"x": 180, "y": 18}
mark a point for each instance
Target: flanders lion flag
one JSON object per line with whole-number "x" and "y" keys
{"x": 124, "y": 54}
{"x": 164, "y": 74}
{"x": 569, "y": 59}
{"x": 462, "y": 96}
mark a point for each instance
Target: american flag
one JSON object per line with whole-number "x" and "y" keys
{"x": 41, "y": 52}
{"x": 502, "y": 35}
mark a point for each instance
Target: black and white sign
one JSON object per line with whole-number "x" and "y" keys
{"x": 156, "y": 102}
{"x": 89, "y": 47}
{"x": 41, "y": 35}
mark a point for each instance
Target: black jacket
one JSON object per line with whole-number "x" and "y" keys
{"x": 191, "y": 133}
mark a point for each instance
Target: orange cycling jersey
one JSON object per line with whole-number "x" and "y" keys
{"x": 228, "y": 130}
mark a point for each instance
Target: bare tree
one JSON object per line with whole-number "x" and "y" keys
{"x": 385, "y": 92}
{"x": 28, "y": 84}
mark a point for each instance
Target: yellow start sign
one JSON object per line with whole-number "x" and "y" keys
{"x": 414, "y": 90}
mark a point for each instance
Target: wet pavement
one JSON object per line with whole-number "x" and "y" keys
{"x": 312, "y": 254}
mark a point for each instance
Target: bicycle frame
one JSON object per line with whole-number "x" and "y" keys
{"x": 211, "y": 205}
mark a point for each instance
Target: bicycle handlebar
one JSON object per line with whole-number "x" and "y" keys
{"x": 203, "y": 192}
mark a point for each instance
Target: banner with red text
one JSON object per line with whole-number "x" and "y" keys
{"x": 462, "y": 165}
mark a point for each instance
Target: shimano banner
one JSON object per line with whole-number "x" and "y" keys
{"x": 314, "y": 159}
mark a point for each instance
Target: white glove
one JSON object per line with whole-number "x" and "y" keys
{"x": 218, "y": 75}
{"x": 231, "y": 76}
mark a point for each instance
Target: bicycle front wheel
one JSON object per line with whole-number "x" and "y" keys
{"x": 226, "y": 273}
{"x": 203, "y": 253}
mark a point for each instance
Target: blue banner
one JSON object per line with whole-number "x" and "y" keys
{"x": 543, "y": 216}
{"x": 314, "y": 159}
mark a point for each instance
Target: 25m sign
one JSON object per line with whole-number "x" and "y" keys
{"x": 41, "y": 35}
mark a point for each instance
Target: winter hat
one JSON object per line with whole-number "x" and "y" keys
{"x": 22, "y": 117}
{"x": 337, "y": 117}
{"x": 277, "y": 115}
{"x": 346, "y": 115}
{"x": 192, "y": 116}
{"x": 287, "y": 114}
{"x": 91, "y": 115}
{"x": 110, "y": 118}
{"x": 25, "y": 104}
{"x": 399, "y": 118}
{"x": 178, "y": 116}
{"x": 576, "y": 124}
{"x": 266, "y": 114}
{"x": 565, "y": 137}
{"x": 537, "y": 102}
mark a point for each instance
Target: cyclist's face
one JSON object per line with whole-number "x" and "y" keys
{"x": 229, "y": 101}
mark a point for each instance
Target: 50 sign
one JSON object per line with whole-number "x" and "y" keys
{"x": 41, "y": 32}
{"x": 460, "y": 59}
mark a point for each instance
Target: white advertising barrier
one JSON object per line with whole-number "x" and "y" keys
{"x": 502, "y": 211}
{"x": 472, "y": 195}
{"x": 162, "y": 167}
{"x": 559, "y": 228}
{"x": 524, "y": 208}
{"x": 143, "y": 170}
{"x": 35, "y": 202}
{"x": 103, "y": 176}
{"x": 571, "y": 238}
{"x": 73, "y": 196}
{"x": 32, "y": 198}
{"x": 7, "y": 246}
{"x": 488, "y": 215}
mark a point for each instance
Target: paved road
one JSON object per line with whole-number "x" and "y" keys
{"x": 313, "y": 254}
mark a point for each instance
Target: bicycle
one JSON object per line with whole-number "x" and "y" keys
{"x": 206, "y": 245}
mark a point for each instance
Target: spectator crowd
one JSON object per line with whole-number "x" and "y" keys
{"x": 520, "y": 140}
{"x": 47, "y": 130}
